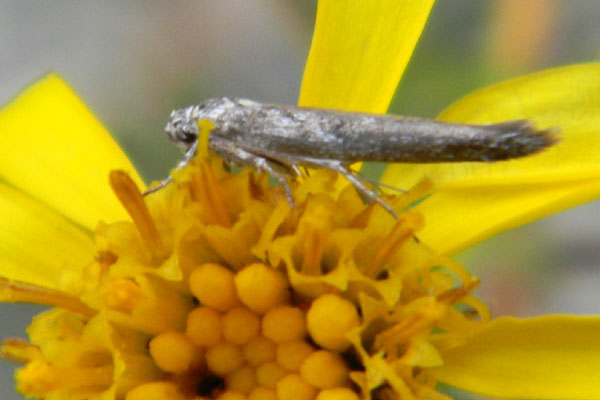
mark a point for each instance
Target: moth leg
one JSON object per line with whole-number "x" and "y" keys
{"x": 187, "y": 158}
{"x": 296, "y": 170}
{"x": 240, "y": 156}
{"x": 262, "y": 164}
{"x": 161, "y": 185}
{"x": 377, "y": 184}
{"x": 362, "y": 189}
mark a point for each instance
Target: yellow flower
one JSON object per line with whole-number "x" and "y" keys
{"x": 214, "y": 287}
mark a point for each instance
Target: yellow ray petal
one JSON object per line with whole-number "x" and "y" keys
{"x": 55, "y": 151}
{"x": 474, "y": 201}
{"x": 552, "y": 357}
{"x": 38, "y": 245}
{"x": 359, "y": 51}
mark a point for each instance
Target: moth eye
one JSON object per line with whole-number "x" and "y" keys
{"x": 184, "y": 132}
{"x": 186, "y": 135}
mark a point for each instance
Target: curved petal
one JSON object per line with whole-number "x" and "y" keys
{"x": 39, "y": 246}
{"x": 359, "y": 51}
{"x": 55, "y": 151}
{"x": 551, "y": 357}
{"x": 487, "y": 198}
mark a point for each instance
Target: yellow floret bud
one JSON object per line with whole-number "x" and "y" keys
{"x": 337, "y": 394}
{"x": 155, "y": 391}
{"x": 290, "y": 355}
{"x": 283, "y": 324}
{"x": 261, "y": 287}
{"x": 224, "y": 358}
{"x": 230, "y": 395}
{"x": 240, "y": 325}
{"x": 292, "y": 387}
{"x": 213, "y": 285}
{"x": 329, "y": 318}
{"x": 269, "y": 374}
{"x": 259, "y": 350}
{"x": 324, "y": 369}
{"x": 174, "y": 352}
{"x": 122, "y": 294}
{"x": 262, "y": 393}
{"x": 204, "y": 326}
{"x": 242, "y": 380}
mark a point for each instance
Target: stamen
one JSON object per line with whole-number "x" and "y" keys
{"x": 20, "y": 350}
{"x": 272, "y": 225}
{"x": 39, "y": 378}
{"x": 417, "y": 317}
{"x": 22, "y": 292}
{"x": 314, "y": 229}
{"x": 206, "y": 190}
{"x": 456, "y": 294}
{"x": 122, "y": 294}
{"x": 132, "y": 200}
{"x": 405, "y": 228}
{"x": 205, "y": 127}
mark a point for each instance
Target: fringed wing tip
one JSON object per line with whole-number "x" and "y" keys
{"x": 521, "y": 138}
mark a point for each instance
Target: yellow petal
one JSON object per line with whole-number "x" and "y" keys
{"x": 56, "y": 152}
{"x": 359, "y": 51}
{"x": 551, "y": 357}
{"x": 38, "y": 245}
{"x": 476, "y": 200}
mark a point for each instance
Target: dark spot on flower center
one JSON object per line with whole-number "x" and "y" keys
{"x": 382, "y": 275}
{"x": 353, "y": 360}
{"x": 209, "y": 385}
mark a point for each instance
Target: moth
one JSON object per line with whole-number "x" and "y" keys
{"x": 278, "y": 139}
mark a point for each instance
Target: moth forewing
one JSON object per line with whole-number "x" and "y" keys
{"x": 278, "y": 138}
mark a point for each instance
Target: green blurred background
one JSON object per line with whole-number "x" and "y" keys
{"x": 133, "y": 62}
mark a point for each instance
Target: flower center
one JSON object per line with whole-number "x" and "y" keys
{"x": 217, "y": 288}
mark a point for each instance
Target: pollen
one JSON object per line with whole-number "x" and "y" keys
{"x": 290, "y": 355}
{"x": 216, "y": 289}
{"x": 259, "y": 351}
{"x": 174, "y": 352}
{"x": 156, "y": 391}
{"x": 213, "y": 285}
{"x": 330, "y": 318}
{"x": 261, "y": 287}
{"x": 324, "y": 370}
{"x": 240, "y": 326}
{"x": 292, "y": 387}
{"x": 262, "y": 393}
{"x": 337, "y": 394}
{"x": 283, "y": 324}
{"x": 269, "y": 373}
{"x": 242, "y": 380}
{"x": 204, "y": 326}
{"x": 231, "y": 395}
{"x": 224, "y": 358}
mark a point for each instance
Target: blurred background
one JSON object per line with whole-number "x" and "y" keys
{"x": 133, "y": 62}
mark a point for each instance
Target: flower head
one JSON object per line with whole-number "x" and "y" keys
{"x": 214, "y": 287}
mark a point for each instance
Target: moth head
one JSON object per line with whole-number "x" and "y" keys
{"x": 182, "y": 127}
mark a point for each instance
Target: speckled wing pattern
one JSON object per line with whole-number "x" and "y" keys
{"x": 277, "y": 139}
